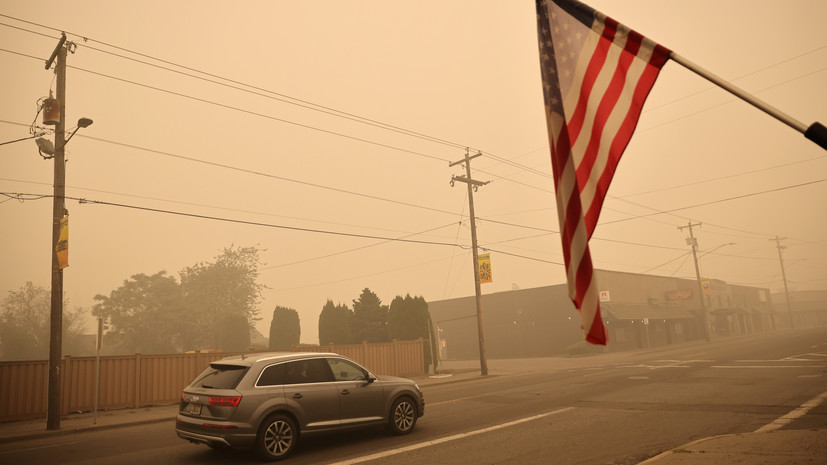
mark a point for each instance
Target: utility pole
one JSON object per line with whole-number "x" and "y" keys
{"x": 694, "y": 243}
{"x": 56, "y": 318}
{"x": 472, "y": 186}
{"x": 784, "y": 277}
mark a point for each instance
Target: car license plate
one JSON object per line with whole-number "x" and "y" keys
{"x": 192, "y": 409}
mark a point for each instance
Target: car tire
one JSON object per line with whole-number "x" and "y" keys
{"x": 402, "y": 418}
{"x": 277, "y": 437}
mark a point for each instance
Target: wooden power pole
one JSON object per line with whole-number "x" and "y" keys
{"x": 704, "y": 314}
{"x": 56, "y": 313}
{"x": 784, "y": 277}
{"x": 472, "y": 186}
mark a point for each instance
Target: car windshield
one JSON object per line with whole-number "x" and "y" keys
{"x": 219, "y": 376}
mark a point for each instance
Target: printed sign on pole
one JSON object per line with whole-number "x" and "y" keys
{"x": 485, "y": 268}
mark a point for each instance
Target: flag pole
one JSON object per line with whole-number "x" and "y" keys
{"x": 817, "y": 132}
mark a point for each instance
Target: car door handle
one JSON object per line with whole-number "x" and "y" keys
{"x": 297, "y": 395}
{"x": 345, "y": 391}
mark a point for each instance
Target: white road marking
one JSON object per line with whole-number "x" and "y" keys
{"x": 421, "y": 445}
{"x": 40, "y": 447}
{"x": 768, "y": 366}
{"x": 795, "y": 414}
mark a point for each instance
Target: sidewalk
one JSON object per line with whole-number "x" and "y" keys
{"x": 778, "y": 447}
{"x": 86, "y": 421}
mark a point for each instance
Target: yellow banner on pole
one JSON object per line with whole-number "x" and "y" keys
{"x": 706, "y": 286}
{"x": 484, "y": 261}
{"x": 62, "y": 248}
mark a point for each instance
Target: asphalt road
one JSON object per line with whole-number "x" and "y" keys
{"x": 621, "y": 409}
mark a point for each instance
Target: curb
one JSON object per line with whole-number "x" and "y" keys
{"x": 686, "y": 446}
{"x": 81, "y": 429}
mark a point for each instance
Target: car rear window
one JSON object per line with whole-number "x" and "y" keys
{"x": 220, "y": 376}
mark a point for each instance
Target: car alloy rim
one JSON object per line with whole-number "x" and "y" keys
{"x": 403, "y": 416}
{"x": 278, "y": 438}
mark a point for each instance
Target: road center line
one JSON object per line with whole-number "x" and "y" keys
{"x": 449, "y": 438}
{"x": 40, "y": 447}
{"x": 600, "y": 372}
{"x": 431, "y": 404}
{"x": 795, "y": 414}
{"x": 768, "y": 366}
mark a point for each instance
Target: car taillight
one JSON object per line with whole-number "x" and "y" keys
{"x": 210, "y": 425}
{"x": 225, "y": 401}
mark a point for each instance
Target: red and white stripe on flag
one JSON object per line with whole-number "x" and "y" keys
{"x": 596, "y": 75}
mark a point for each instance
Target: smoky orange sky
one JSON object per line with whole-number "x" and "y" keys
{"x": 301, "y": 127}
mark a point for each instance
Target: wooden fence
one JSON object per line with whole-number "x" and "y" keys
{"x": 141, "y": 380}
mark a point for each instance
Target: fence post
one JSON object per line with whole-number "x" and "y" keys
{"x": 138, "y": 380}
{"x": 66, "y": 385}
{"x": 426, "y": 366}
{"x": 395, "y": 352}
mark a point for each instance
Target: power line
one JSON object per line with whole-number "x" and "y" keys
{"x": 751, "y": 73}
{"x": 721, "y": 178}
{"x": 728, "y": 101}
{"x": 194, "y": 204}
{"x": 258, "y": 91}
{"x": 357, "y": 248}
{"x": 255, "y": 89}
{"x": 524, "y": 256}
{"x": 546, "y": 231}
{"x": 21, "y": 196}
{"x": 361, "y": 276}
{"x": 737, "y": 197}
{"x": 251, "y": 89}
{"x": 661, "y": 212}
{"x": 249, "y": 171}
{"x": 260, "y": 173}
{"x": 317, "y": 107}
{"x": 404, "y": 239}
{"x": 260, "y": 115}
{"x": 320, "y": 129}
{"x": 506, "y": 161}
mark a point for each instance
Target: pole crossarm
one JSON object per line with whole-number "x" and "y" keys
{"x": 56, "y": 51}
{"x": 473, "y": 182}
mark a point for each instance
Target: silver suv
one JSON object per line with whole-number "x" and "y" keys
{"x": 268, "y": 400}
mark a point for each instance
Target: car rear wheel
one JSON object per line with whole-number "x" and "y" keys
{"x": 403, "y": 416}
{"x": 277, "y": 437}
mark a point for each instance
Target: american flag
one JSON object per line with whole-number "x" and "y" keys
{"x": 596, "y": 75}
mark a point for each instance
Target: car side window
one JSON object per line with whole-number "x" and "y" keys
{"x": 346, "y": 371}
{"x": 273, "y": 375}
{"x": 306, "y": 371}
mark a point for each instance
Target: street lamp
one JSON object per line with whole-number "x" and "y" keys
{"x": 82, "y": 123}
{"x": 716, "y": 248}
{"x": 46, "y": 146}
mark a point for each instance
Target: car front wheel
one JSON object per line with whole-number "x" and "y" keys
{"x": 277, "y": 437}
{"x": 403, "y": 416}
